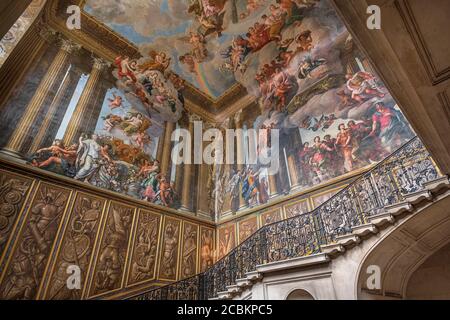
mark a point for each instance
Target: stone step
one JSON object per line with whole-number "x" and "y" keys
{"x": 381, "y": 219}
{"x": 253, "y": 276}
{"x": 399, "y": 208}
{"x": 348, "y": 239}
{"x": 233, "y": 289}
{"x": 224, "y": 295}
{"x": 243, "y": 283}
{"x": 332, "y": 249}
{"x": 299, "y": 262}
{"x": 419, "y": 196}
{"x": 437, "y": 184}
{"x": 215, "y": 299}
{"x": 365, "y": 229}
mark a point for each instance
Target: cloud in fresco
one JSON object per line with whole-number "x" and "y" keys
{"x": 145, "y": 16}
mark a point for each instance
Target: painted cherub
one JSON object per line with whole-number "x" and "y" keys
{"x": 189, "y": 61}
{"x": 127, "y": 69}
{"x": 116, "y": 102}
{"x": 158, "y": 61}
{"x": 141, "y": 139}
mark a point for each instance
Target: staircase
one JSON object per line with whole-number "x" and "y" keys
{"x": 394, "y": 188}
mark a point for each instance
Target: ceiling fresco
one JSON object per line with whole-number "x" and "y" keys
{"x": 203, "y": 37}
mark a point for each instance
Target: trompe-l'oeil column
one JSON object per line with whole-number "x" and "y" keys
{"x": 295, "y": 141}
{"x": 187, "y": 169}
{"x": 166, "y": 149}
{"x": 239, "y": 151}
{"x": 25, "y": 126}
{"x": 55, "y": 112}
{"x": 273, "y": 187}
{"x": 77, "y": 122}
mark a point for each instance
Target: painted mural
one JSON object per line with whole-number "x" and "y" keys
{"x": 311, "y": 81}
{"x": 296, "y": 57}
{"x": 121, "y": 153}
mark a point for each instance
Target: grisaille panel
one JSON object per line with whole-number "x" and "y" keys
{"x": 24, "y": 272}
{"x": 226, "y": 239}
{"x": 247, "y": 228}
{"x": 169, "y": 250}
{"x": 77, "y": 246}
{"x": 14, "y": 191}
{"x": 206, "y": 248}
{"x": 189, "y": 250}
{"x": 296, "y": 208}
{"x": 110, "y": 262}
{"x": 145, "y": 247}
{"x": 271, "y": 216}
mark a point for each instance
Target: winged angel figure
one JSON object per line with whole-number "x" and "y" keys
{"x": 148, "y": 86}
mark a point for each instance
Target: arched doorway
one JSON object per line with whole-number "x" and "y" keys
{"x": 300, "y": 294}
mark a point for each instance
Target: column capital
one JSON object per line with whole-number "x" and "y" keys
{"x": 48, "y": 34}
{"x": 100, "y": 64}
{"x": 194, "y": 117}
{"x": 209, "y": 125}
{"x": 69, "y": 46}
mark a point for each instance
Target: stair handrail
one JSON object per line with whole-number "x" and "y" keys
{"x": 387, "y": 183}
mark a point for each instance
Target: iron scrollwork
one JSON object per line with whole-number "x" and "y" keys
{"x": 402, "y": 173}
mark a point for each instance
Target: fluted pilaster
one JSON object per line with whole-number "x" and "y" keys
{"x": 227, "y": 207}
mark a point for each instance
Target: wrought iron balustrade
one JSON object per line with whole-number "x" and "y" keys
{"x": 402, "y": 173}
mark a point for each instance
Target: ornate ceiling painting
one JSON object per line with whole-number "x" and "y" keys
{"x": 295, "y": 57}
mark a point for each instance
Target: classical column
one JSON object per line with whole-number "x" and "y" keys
{"x": 293, "y": 171}
{"x": 226, "y": 207}
{"x": 159, "y": 151}
{"x": 167, "y": 148}
{"x": 55, "y": 112}
{"x": 273, "y": 187}
{"x": 283, "y": 174}
{"x": 96, "y": 107}
{"x": 179, "y": 179}
{"x": 295, "y": 143}
{"x": 77, "y": 123}
{"x": 25, "y": 126}
{"x": 204, "y": 183}
{"x": 25, "y": 56}
{"x": 187, "y": 171}
{"x": 240, "y": 153}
